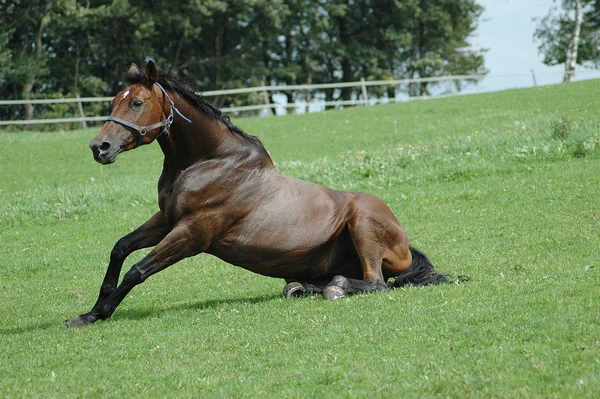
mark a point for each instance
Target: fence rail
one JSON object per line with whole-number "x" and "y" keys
{"x": 364, "y": 100}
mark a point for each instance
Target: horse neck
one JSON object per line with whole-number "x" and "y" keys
{"x": 203, "y": 139}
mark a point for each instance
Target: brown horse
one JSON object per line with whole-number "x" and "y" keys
{"x": 220, "y": 193}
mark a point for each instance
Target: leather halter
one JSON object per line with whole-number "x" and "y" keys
{"x": 143, "y": 130}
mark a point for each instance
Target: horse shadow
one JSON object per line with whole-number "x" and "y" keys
{"x": 145, "y": 313}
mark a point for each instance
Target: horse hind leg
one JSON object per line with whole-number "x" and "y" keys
{"x": 370, "y": 238}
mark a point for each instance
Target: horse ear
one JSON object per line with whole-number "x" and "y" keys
{"x": 134, "y": 70}
{"x": 151, "y": 73}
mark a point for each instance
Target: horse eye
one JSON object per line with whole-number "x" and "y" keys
{"x": 137, "y": 103}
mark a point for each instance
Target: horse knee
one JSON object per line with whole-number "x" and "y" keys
{"x": 119, "y": 251}
{"x": 340, "y": 281}
{"x": 336, "y": 289}
{"x": 333, "y": 292}
{"x": 133, "y": 277}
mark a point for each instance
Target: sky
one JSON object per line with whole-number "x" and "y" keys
{"x": 506, "y": 28}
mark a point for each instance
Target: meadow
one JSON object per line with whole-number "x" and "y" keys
{"x": 502, "y": 187}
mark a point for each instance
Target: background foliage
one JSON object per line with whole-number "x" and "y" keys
{"x": 56, "y": 48}
{"x": 555, "y": 30}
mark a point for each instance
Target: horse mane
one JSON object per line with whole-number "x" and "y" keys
{"x": 179, "y": 86}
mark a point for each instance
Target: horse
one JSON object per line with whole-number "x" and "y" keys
{"x": 220, "y": 193}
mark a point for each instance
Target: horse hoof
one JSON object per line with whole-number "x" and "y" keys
{"x": 78, "y": 322}
{"x": 293, "y": 290}
{"x": 333, "y": 292}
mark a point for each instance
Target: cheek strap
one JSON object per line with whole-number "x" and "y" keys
{"x": 143, "y": 130}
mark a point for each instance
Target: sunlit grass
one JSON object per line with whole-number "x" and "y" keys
{"x": 493, "y": 186}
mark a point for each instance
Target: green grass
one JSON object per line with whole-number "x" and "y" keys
{"x": 503, "y": 187}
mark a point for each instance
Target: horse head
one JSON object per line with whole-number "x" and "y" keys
{"x": 140, "y": 114}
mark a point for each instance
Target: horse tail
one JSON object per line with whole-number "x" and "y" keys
{"x": 420, "y": 272}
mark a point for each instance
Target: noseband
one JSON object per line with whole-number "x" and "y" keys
{"x": 143, "y": 130}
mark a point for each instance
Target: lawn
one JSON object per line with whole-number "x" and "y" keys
{"x": 502, "y": 187}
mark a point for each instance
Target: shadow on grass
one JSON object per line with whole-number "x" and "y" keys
{"x": 29, "y": 328}
{"x": 139, "y": 314}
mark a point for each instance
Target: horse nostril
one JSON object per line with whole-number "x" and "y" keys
{"x": 104, "y": 146}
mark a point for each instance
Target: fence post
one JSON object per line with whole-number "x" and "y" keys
{"x": 267, "y": 101}
{"x": 364, "y": 91}
{"x": 308, "y": 93}
{"x": 533, "y": 76}
{"x": 80, "y": 106}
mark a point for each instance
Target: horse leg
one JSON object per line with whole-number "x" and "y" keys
{"x": 373, "y": 231}
{"x": 177, "y": 245}
{"x": 294, "y": 289}
{"x": 340, "y": 286}
{"x": 147, "y": 235}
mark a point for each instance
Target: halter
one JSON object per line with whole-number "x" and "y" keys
{"x": 143, "y": 130}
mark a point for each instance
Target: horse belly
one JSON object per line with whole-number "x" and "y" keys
{"x": 336, "y": 256}
{"x": 292, "y": 237}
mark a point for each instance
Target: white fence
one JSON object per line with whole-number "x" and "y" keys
{"x": 363, "y": 99}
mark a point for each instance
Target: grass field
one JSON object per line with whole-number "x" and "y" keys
{"x": 503, "y": 187}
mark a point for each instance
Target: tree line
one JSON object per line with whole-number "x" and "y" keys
{"x": 62, "y": 48}
{"x": 569, "y": 34}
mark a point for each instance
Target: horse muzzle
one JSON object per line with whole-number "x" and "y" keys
{"x": 104, "y": 151}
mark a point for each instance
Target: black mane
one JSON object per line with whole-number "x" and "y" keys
{"x": 172, "y": 82}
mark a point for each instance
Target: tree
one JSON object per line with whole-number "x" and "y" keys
{"x": 569, "y": 35}
{"x": 439, "y": 30}
{"x": 384, "y": 39}
{"x": 572, "y": 48}
{"x": 73, "y": 47}
{"x": 25, "y": 25}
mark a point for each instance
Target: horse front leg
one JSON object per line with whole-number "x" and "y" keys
{"x": 147, "y": 235}
{"x": 177, "y": 245}
{"x": 296, "y": 289}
